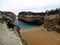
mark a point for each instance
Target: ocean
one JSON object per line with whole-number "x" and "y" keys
{"x": 23, "y": 25}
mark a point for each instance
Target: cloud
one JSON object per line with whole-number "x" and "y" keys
{"x": 32, "y": 5}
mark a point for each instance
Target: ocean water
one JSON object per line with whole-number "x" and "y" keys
{"x": 24, "y": 25}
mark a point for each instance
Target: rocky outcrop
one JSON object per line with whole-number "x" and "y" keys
{"x": 10, "y": 14}
{"x": 31, "y": 17}
{"x": 52, "y": 22}
{"x": 37, "y": 17}
{"x": 8, "y": 37}
{"x": 10, "y": 32}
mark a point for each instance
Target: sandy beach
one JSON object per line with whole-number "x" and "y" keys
{"x": 39, "y": 36}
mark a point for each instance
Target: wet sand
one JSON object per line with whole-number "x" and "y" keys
{"x": 39, "y": 36}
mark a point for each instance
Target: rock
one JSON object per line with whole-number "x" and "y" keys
{"x": 9, "y": 32}
{"x": 51, "y": 22}
{"x": 31, "y": 17}
{"x": 8, "y": 37}
{"x": 10, "y": 14}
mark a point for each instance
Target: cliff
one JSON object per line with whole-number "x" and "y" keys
{"x": 10, "y": 14}
{"x": 31, "y": 17}
{"x": 9, "y": 32}
{"x": 36, "y": 16}
{"x": 8, "y": 37}
{"x": 52, "y": 22}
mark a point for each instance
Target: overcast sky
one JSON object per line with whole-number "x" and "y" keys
{"x": 28, "y": 5}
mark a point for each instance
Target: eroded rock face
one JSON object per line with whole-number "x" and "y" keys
{"x": 31, "y": 17}
{"x": 8, "y": 37}
{"x": 10, "y": 14}
{"x": 9, "y": 32}
{"x": 51, "y": 23}
{"x": 0, "y": 15}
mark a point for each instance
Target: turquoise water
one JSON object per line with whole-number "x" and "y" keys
{"x": 24, "y": 25}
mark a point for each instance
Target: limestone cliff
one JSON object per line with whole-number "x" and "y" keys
{"x": 31, "y": 17}
{"x": 8, "y": 37}
{"x": 10, "y": 14}
{"x": 52, "y": 22}
{"x": 9, "y": 32}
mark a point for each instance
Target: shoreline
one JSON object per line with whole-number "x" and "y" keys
{"x": 32, "y": 29}
{"x": 39, "y": 36}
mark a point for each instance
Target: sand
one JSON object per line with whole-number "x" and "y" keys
{"x": 39, "y": 36}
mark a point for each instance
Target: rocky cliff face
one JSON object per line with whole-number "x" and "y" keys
{"x": 10, "y": 14}
{"x": 8, "y": 37}
{"x": 31, "y": 17}
{"x": 52, "y": 22}
{"x": 9, "y": 32}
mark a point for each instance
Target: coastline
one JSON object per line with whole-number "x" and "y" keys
{"x": 32, "y": 29}
{"x": 39, "y": 36}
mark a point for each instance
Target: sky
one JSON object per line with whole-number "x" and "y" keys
{"x": 17, "y": 6}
